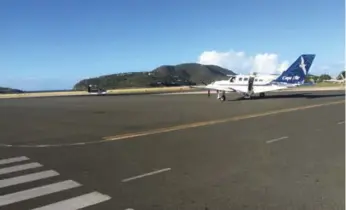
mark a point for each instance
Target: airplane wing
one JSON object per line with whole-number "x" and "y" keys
{"x": 258, "y": 89}
{"x": 243, "y": 88}
{"x": 330, "y": 80}
{"x": 268, "y": 88}
{"x": 210, "y": 87}
{"x": 334, "y": 80}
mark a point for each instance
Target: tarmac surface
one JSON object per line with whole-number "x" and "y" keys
{"x": 285, "y": 151}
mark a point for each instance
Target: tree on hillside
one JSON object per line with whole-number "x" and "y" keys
{"x": 311, "y": 78}
{"x": 324, "y": 77}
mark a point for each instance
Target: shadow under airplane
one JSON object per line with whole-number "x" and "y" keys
{"x": 297, "y": 95}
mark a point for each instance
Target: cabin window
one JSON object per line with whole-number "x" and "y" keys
{"x": 261, "y": 80}
{"x": 256, "y": 80}
{"x": 246, "y": 79}
{"x": 240, "y": 79}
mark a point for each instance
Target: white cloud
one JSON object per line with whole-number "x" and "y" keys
{"x": 239, "y": 62}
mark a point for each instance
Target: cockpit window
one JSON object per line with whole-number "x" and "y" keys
{"x": 232, "y": 79}
{"x": 240, "y": 79}
{"x": 256, "y": 80}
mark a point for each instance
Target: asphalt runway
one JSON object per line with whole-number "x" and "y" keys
{"x": 286, "y": 151}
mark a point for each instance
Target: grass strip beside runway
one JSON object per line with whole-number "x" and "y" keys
{"x": 319, "y": 87}
{"x": 112, "y": 91}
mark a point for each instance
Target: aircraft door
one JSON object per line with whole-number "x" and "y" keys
{"x": 250, "y": 84}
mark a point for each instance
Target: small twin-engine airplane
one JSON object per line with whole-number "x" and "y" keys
{"x": 249, "y": 85}
{"x": 94, "y": 90}
{"x": 341, "y": 79}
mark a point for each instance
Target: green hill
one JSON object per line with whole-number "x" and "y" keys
{"x": 9, "y": 90}
{"x": 167, "y": 75}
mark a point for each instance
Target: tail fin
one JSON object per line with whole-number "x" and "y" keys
{"x": 297, "y": 72}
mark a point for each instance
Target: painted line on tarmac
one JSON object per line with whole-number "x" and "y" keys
{"x": 27, "y": 178}
{"x": 213, "y": 122}
{"x": 37, "y": 192}
{"x": 78, "y": 202}
{"x": 277, "y": 139}
{"x": 178, "y": 127}
{"x": 13, "y": 160}
{"x": 146, "y": 174}
{"x": 17, "y": 168}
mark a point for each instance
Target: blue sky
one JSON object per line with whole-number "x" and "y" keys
{"x": 51, "y": 44}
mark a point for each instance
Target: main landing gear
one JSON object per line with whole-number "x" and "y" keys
{"x": 221, "y": 96}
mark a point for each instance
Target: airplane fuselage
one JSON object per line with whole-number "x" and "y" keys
{"x": 241, "y": 82}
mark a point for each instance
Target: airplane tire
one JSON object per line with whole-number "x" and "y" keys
{"x": 222, "y": 98}
{"x": 262, "y": 95}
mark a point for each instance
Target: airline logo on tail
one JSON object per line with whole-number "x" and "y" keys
{"x": 289, "y": 78}
{"x": 302, "y": 64}
{"x": 297, "y": 72}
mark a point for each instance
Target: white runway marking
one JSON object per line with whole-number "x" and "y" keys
{"x": 37, "y": 192}
{"x": 43, "y": 145}
{"x": 19, "y": 168}
{"x": 13, "y": 160}
{"x": 278, "y": 139}
{"x": 147, "y": 174}
{"x": 27, "y": 178}
{"x": 77, "y": 202}
{"x": 342, "y": 122}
